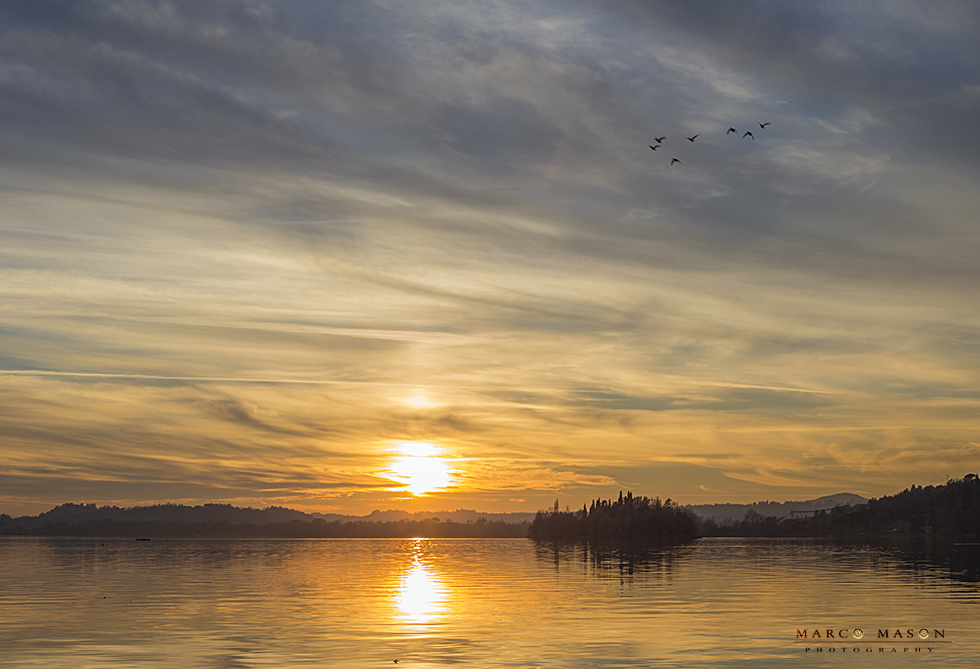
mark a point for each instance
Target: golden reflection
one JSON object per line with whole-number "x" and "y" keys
{"x": 421, "y": 595}
{"x": 422, "y": 467}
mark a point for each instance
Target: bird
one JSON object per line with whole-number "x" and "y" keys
{"x": 731, "y": 130}
{"x": 674, "y": 160}
{"x": 691, "y": 139}
{"x": 749, "y": 134}
{"x": 658, "y": 140}
{"x": 654, "y": 147}
{"x": 763, "y": 125}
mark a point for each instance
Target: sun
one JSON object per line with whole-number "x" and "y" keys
{"x": 422, "y": 467}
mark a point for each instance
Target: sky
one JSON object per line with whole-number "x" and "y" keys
{"x": 369, "y": 254}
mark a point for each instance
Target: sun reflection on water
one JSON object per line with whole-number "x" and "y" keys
{"x": 421, "y": 595}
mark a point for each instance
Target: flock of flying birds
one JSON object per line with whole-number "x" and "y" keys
{"x": 659, "y": 140}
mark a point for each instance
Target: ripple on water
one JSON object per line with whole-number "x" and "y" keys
{"x": 489, "y": 603}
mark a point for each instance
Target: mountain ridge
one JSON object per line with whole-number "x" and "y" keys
{"x": 727, "y": 512}
{"x": 72, "y": 512}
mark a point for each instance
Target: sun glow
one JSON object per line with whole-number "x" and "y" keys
{"x": 420, "y": 401}
{"x": 422, "y": 467}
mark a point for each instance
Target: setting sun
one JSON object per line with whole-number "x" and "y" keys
{"x": 422, "y": 467}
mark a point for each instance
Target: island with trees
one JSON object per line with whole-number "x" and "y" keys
{"x": 627, "y": 520}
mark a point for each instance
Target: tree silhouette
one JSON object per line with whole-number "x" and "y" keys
{"x": 628, "y": 519}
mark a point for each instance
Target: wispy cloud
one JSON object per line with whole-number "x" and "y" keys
{"x": 246, "y": 246}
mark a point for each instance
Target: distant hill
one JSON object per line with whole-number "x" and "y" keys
{"x": 950, "y": 512}
{"x": 224, "y": 520}
{"x": 74, "y": 514}
{"x": 722, "y": 513}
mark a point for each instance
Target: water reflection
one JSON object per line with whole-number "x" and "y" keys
{"x": 921, "y": 556}
{"x": 651, "y": 561}
{"x": 494, "y": 604}
{"x": 421, "y": 594}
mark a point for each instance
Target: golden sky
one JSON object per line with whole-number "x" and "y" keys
{"x": 317, "y": 254}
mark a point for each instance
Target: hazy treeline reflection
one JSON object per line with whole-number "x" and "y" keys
{"x": 916, "y": 557}
{"x": 960, "y": 561}
{"x": 615, "y": 561}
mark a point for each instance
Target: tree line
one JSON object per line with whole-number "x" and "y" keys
{"x": 951, "y": 510}
{"x": 626, "y": 520}
{"x": 219, "y": 520}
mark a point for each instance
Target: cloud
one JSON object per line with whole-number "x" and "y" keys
{"x": 236, "y": 238}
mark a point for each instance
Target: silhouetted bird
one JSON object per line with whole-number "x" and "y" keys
{"x": 674, "y": 160}
{"x": 731, "y": 130}
{"x": 659, "y": 139}
{"x": 749, "y": 134}
{"x": 654, "y": 147}
{"x": 691, "y": 139}
{"x": 763, "y": 125}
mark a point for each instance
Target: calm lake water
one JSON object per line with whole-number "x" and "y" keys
{"x": 476, "y": 603}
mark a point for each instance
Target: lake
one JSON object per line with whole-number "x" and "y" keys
{"x": 188, "y": 603}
